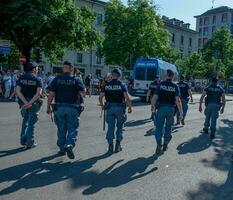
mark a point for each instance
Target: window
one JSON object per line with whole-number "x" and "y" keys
{"x": 199, "y": 42}
{"x": 79, "y": 57}
{"x": 98, "y": 60}
{"x": 99, "y": 19}
{"x": 151, "y": 73}
{"x": 182, "y": 40}
{"x": 206, "y": 31}
{"x": 232, "y": 29}
{"x": 206, "y": 21}
{"x": 140, "y": 73}
{"x": 189, "y": 52}
{"x": 214, "y": 19}
{"x": 190, "y": 42}
{"x": 205, "y": 40}
{"x": 224, "y": 17}
{"x": 200, "y": 22}
{"x": 213, "y": 29}
{"x": 173, "y": 37}
{"x": 200, "y": 31}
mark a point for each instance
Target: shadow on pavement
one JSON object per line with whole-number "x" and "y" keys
{"x": 196, "y": 144}
{"x": 137, "y": 122}
{"x": 150, "y": 132}
{"x": 41, "y": 172}
{"x": 114, "y": 177}
{"x": 9, "y": 152}
{"x": 223, "y": 150}
{"x": 138, "y": 102}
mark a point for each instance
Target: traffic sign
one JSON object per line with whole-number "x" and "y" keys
{"x": 5, "y": 50}
{"x": 22, "y": 59}
{"x": 5, "y": 43}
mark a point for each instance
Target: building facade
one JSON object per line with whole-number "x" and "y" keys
{"x": 209, "y": 21}
{"x": 183, "y": 38}
{"x": 88, "y": 62}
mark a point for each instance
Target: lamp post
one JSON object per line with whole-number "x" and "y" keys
{"x": 217, "y": 55}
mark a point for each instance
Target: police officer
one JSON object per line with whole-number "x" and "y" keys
{"x": 116, "y": 95}
{"x": 151, "y": 93}
{"x": 166, "y": 97}
{"x": 185, "y": 93}
{"x": 66, "y": 89}
{"x": 28, "y": 90}
{"x": 215, "y": 102}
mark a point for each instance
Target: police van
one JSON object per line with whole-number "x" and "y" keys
{"x": 145, "y": 71}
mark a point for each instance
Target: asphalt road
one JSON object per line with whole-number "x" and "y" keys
{"x": 193, "y": 168}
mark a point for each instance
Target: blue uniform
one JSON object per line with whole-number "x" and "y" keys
{"x": 115, "y": 106}
{"x": 167, "y": 91}
{"x": 214, "y": 93}
{"x": 29, "y": 84}
{"x": 184, "y": 95}
{"x": 67, "y": 90}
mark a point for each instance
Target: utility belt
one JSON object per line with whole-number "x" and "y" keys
{"x": 79, "y": 107}
{"x": 207, "y": 103}
{"x": 108, "y": 105}
{"x": 159, "y": 105}
{"x": 39, "y": 102}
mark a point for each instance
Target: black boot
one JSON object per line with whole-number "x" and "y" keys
{"x": 118, "y": 147}
{"x": 69, "y": 152}
{"x": 165, "y": 147}
{"x": 23, "y": 141}
{"x": 110, "y": 148}
{"x": 158, "y": 149}
{"x": 212, "y": 135}
{"x": 205, "y": 130}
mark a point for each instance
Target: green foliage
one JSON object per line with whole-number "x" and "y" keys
{"x": 207, "y": 63}
{"x": 192, "y": 65}
{"x": 221, "y": 64}
{"x": 52, "y": 25}
{"x": 134, "y": 31}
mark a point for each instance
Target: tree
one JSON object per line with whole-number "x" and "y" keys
{"x": 51, "y": 25}
{"x": 192, "y": 66}
{"x": 218, "y": 53}
{"x": 134, "y": 31}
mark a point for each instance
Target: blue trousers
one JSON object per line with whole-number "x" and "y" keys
{"x": 212, "y": 114}
{"x": 30, "y": 117}
{"x": 184, "y": 103}
{"x": 164, "y": 119}
{"x": 67, "y": 121}
{"x": 115, "y": 118}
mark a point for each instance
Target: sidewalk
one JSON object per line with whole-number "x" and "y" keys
{"x": 196, "y": 97}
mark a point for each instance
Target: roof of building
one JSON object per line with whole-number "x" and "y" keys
{"x": 217, "y": 10}
{"x": 177, "y": 24}
{"x": 97, "y": 2}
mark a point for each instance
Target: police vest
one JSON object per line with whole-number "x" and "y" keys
{"x": 66, "y": 90}
{"x": 114, "y": 91}
{"x": 213, "y": 94}
{"x": 167, "y": 93}
{"x": 184, "y": 87}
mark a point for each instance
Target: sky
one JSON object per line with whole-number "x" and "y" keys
{"x": 185, "y": 10}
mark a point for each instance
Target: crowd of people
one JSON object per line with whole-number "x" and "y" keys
{"x": 8, "y": 80}
{"x": 65, "y": 101}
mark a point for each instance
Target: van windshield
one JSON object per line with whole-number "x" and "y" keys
{"x": 151, "y": 73}
{"x": 140, "y": 74}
